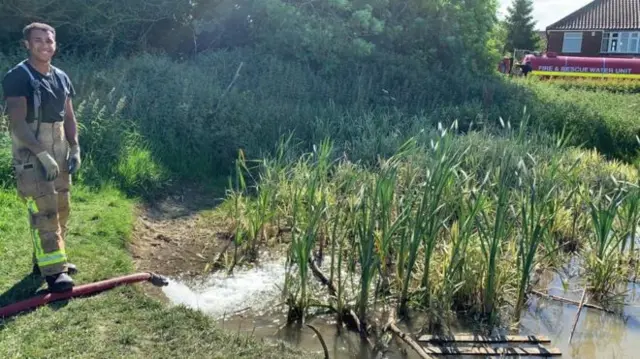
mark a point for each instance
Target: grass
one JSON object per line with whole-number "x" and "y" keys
{"x": 121, "y": 323}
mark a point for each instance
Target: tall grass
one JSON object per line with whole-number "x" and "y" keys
{"x": 309, "y": 208}
{"x": 462, "y": 235}
{"x": 6, "y": 168}
{"x": 605, "y": 273}
{"x": 630, "y": 218}
{"x": 495, "y": 228}
{"x": 602, "y": 120}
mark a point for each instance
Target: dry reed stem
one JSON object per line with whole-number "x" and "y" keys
{"x": 332, "y": 291}
{"x": 570, "y": 301}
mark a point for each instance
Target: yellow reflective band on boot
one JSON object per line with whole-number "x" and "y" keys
{"x": 51, "y": 258}
{"x": 47, "y": 259}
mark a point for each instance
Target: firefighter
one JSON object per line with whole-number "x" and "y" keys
{"x": 45, "y": 150}
{"x": 526, "y": 68}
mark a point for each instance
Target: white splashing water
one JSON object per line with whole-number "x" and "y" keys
{"x": 256, "y": 288}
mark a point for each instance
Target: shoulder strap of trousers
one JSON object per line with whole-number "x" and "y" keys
{"x": 60, "y": 76}
{"x": 36, "y": 95}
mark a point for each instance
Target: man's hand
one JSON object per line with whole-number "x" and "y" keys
{"x": 50, "y": 166}
{"x": 74, "y": 159}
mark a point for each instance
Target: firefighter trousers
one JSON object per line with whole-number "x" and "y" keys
{"x": 47, "y": 201}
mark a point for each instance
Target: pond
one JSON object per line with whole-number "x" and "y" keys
{"x": 249, "y": 302}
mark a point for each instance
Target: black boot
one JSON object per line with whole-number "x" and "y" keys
{"x": 71, "y": 269}
{"x": 59, "y": 283}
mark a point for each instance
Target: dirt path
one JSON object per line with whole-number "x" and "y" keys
{"x": 174, "y": 236}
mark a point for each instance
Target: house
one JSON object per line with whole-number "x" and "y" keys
{"x": 600, "y": 28}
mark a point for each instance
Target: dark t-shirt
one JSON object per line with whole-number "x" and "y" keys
{"x": 17, "y": 83}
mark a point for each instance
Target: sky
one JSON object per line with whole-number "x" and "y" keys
{"x": 546, "y": 12}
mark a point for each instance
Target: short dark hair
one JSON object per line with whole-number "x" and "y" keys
{"x": 26, "y": 32}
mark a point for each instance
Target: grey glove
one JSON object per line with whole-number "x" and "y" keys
{"x": 51, "y": 168}
{"x": 74, "y": 159}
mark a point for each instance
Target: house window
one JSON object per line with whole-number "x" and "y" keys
{"x": 572, "y": 42}
{"x": 624, "y": 42}
{"x": 634, "y": 42}
{"x": 620, "y": 42}
{"x": 605, "y": 42}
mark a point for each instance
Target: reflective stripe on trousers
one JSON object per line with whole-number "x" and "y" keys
{"x": 45, "y": 260}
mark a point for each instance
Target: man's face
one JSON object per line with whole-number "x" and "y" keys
{"x": 41, "y": 45}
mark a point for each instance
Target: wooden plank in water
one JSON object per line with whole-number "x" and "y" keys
{"x": 532, "y": 339}
{"x": 485, "y": 351}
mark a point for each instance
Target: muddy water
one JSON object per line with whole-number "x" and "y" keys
{"x": 249, "y": 302}
{"x": 597, "y": 335}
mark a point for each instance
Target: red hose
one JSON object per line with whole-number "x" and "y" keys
{"x": 82, "y": 290}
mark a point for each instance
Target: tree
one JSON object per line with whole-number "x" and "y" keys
{"x": 498, "y": 39}
{"x": 521, "y": 33}
{"x": 542, "y": 44}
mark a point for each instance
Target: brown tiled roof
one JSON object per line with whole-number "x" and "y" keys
{"x": 602, "y": 15}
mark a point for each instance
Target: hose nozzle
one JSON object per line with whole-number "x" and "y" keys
{"x": 158, "y": 280}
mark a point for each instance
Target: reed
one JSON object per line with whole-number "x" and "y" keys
{"x": 538, "y": 209}
{"x": 428, "y": 220}
{"x": 461, "y": 236}
{"x": 602, "y": 257}
{"x": 365, "y": 244}
{"x": 456, "y": 223}
{"x": 440, "y": 180}
{"x": 630, "y": 218}
{"x": 236, "y": 192}
{"x": 495, "y": 232}
{"x": 308, "y": 208}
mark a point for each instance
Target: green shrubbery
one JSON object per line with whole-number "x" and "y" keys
{"x": 192, "y": 117}
{"x": 602, "y": 120}
{"x": 367, "y": 74}
{"x": 628, "y": 86}
{"x": 6, "y": 169}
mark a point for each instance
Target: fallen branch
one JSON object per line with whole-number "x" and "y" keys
{"x": 570, "y": 301}
{"x": 575, "y": 323}
{"x": 322, "y": 278}
{"x": 391, "y": 326}
{"x": 347, "y": 312}
{"x": 238, "y": 311}
{"x": 324, "y": 345}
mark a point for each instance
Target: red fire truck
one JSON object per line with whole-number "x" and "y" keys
{"x": 550, "y": 65}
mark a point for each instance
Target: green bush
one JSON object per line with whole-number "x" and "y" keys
{"x": 6, "y": 168}
{"x": 113, "y": 151}
{"x": 137, "y": 171}
{"x": 602, "y": 120}
{"x": 628, "y": 86}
